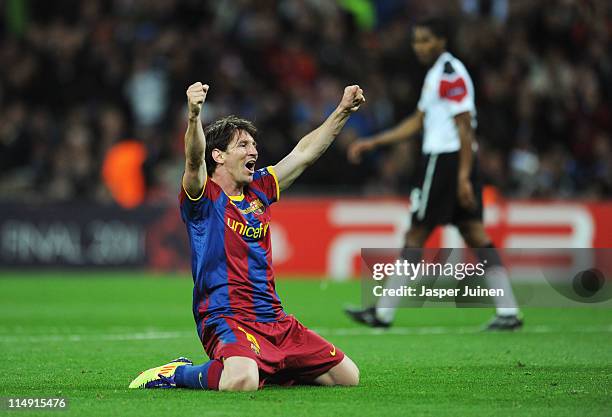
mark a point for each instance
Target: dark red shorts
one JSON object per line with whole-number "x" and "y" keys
{"x": 286, "y": 352}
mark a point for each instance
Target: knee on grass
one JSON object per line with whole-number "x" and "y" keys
{"x": 242, "y": 382}
{"x": 239, "y": 374}
{"x": 350, "y": 377}
{"x": 345, "y": 374}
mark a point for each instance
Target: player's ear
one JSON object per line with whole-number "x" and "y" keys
{"x": 218, "y": 156}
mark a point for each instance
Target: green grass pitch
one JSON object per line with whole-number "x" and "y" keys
{"x": 85, "y": 336}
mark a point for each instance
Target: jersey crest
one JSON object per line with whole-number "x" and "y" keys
{"x": 255, "y": 206}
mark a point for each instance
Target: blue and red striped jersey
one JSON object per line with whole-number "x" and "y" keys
{"x": 231, "y": 250}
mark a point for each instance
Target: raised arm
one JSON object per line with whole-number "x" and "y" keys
{"x": 312, "y": 146}
{"x": 404, "y": 130}
{"x": 194, "y": 177}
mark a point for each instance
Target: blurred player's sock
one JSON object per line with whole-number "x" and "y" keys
{"x": 204, "y": 376}
{"x": 387, "y": 306}
{"x": 385, "y": 314}
{"x": 496, "y": 277}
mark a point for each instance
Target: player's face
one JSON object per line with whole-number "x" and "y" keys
{"x": 240, "y": 157}
{"x": 426, "y": 45}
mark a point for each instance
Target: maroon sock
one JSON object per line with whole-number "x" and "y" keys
{"x": 214, "y": 375}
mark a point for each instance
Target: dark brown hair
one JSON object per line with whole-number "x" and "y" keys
{"x": 440, "y": 26}
{"x": 220, "y": 133}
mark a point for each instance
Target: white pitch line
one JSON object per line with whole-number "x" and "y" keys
{"x": 349, "y": 332}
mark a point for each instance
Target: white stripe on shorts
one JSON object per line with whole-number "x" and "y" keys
{"x": 429, "y": 173}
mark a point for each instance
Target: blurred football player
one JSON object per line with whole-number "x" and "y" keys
{"x": 449, "y": 189}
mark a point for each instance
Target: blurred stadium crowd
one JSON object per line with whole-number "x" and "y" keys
{"x": 92, "y": 93}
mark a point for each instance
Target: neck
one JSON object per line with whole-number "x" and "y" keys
{"x": 437, "y": 56}
{"x": 226, "y": 182}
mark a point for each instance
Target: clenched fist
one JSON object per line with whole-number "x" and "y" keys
{"x": 196, "y": 95}
{"x": 352, "y": 99}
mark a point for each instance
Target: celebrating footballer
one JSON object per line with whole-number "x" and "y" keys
{"x": 225, "y": 204}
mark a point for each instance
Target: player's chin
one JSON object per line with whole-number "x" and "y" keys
{"x": 423, "y": 59}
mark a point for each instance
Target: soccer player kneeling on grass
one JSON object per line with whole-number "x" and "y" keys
{"x": 225, "y": 204}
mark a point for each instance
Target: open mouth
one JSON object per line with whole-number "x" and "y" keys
{"x": 250, "y": 166}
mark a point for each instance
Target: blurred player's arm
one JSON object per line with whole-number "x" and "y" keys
{"x": 314, "y": 144}
{"x": 404, "y": 130}
{"x": 195, "y": 142}
{"x": 465, "y": 191}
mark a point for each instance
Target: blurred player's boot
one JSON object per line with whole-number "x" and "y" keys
{"x": 161, "y": 376}
{"x": 366, "y": 316}
{"x": 504, "y": 323}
